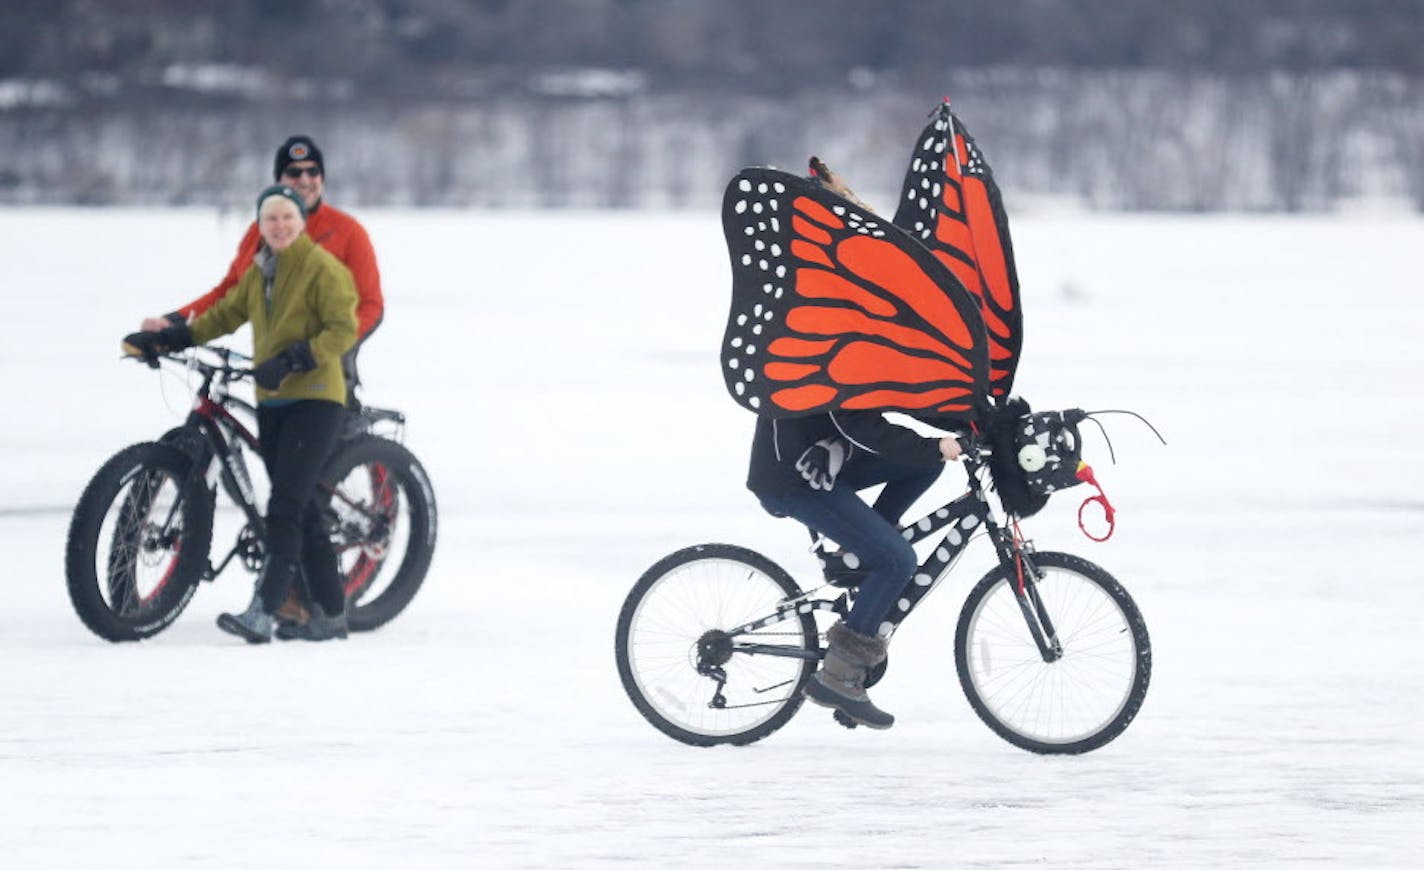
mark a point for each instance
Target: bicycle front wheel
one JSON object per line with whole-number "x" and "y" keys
{"x": 138, "y": 542}
{"x": 688, "y": 659}
{"x": 1090, "y": 692}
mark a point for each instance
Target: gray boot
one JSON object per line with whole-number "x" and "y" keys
{"x": 253, "y": 625}
{"x": 840, "y": 683}
{"x": 318, "y": 627}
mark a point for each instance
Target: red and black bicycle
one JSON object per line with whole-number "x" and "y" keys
{"x": 141, "y": 535}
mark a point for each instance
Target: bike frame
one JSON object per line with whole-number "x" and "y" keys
{"x": 221, "y": 430}
{"x": 211, "y": 431}
{"x": 959, "y": 520}
{"x": 219, "y": 434}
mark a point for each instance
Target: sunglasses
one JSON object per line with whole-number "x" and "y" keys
{"x": 299, "y": 171}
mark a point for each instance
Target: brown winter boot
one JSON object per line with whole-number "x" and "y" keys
{"x": 292, "y": 610}
{"x": 319, "y": 627}
{"x": 840, "y": 683}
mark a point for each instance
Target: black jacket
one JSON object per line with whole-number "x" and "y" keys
{"x": 779, "y": 443}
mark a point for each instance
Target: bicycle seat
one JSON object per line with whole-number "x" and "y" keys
{"x": 376, "y": 415}
{"x": 361, "y": 420}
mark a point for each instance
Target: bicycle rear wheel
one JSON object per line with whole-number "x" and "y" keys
{"x": 675, "y": 642}
{"x": 380, "y": 511}
{"x": 1083, "y": 699}
{"x": 138, "y": 542}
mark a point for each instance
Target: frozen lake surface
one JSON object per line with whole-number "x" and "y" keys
{"x": 560, "y": 374}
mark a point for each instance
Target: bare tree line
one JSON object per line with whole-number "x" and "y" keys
{"x": 1110, "y": 139}
{"x": 1175, "y": 104}
{"x": 400, "y": 46}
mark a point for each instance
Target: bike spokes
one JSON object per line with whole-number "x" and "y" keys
{"x": 1068, "y": 683}
{"x": 366, "y": 510}
{"x": 699, "y": 652}
{"x": 145, "y": 539}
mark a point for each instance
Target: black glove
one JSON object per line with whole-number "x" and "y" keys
{"x": 270, "y": 373}
{"x": 822, "y": 461}
{"x": 150, "y": 344}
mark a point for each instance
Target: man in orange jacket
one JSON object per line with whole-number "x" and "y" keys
{"x": 299, "y": 165}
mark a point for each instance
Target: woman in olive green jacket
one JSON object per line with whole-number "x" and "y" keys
{"x": 301, "y": 302}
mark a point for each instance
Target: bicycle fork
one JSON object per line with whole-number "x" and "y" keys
{"x": 1035, "y": 614}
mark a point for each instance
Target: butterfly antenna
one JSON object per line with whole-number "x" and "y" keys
{"x": 951, "y": 140}
{"x": 1103, "y": 429}
{"x": 1134, "y": 414}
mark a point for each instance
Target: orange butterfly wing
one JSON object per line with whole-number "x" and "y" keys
{"x": 951, "y": 203}
{"x": 836, "y": 308}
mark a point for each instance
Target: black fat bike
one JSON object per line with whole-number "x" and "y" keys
{"x": 141, "y": 534}
{"x": 715, "y": 642}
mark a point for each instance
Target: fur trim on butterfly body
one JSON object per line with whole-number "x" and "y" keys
{"x": 1010, "y": 482}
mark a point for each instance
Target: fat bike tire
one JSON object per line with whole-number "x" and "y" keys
{"x": 379, "y": 508}
{"x": 1079, "y": 702}
{"x": 138, "y": 542}
{"x": 676, "y": 618}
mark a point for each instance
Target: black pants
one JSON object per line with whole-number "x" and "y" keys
{"x": 295, "y": 441}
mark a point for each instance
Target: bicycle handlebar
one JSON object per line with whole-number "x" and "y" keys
{"x": 189, "y": 357}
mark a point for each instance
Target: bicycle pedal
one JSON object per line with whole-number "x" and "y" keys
{"x": 842, "y": 577}
{"x": 845, "y": 720}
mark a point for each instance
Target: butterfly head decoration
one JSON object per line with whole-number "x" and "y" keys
{"x": 1034, "y": 454}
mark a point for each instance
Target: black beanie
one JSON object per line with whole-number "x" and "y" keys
{"x": 281, "y": 190}
{"x": 294, "y": 149}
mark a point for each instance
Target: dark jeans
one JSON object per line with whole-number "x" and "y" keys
{"x": 295, "y": 441}
{"x": 870, "y": 533}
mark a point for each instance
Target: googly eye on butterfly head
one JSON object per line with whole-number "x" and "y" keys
{"x": 1032, "y": 458}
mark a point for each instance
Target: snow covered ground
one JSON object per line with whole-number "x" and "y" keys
{"x": 560, "y": 375}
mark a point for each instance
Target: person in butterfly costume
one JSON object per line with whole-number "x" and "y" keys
{"x": 812, "y": 468}
{"x": 836, "y": 311}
